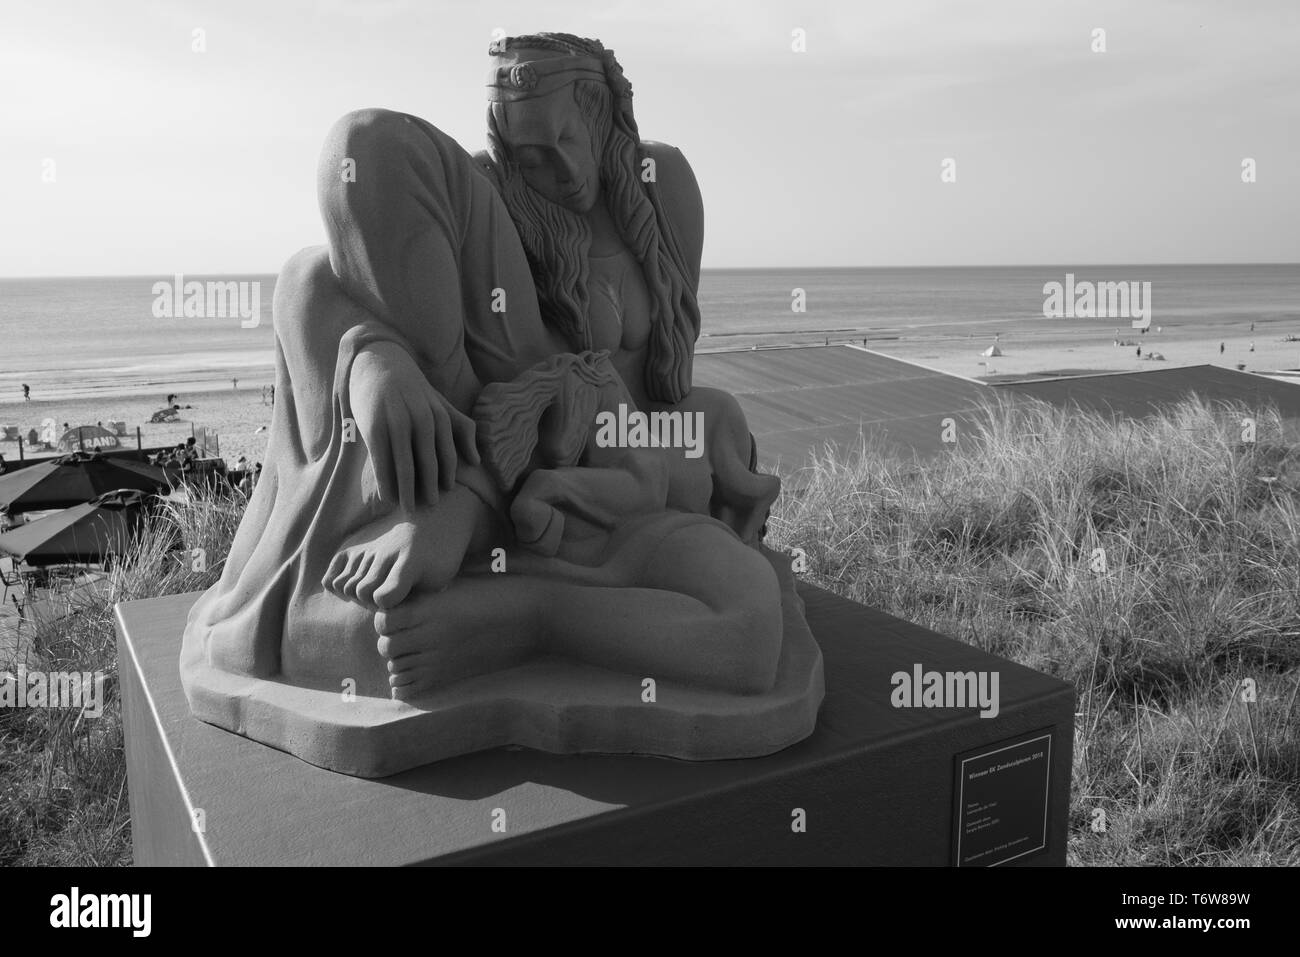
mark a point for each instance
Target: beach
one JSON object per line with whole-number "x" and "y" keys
{"x": 234, "y": 414}
{"x": 1088, "y": 347}
{"x": 1029, "y": 347}
{"x": 91, "y": 351}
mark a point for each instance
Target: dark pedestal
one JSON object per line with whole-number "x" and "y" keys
{"x": 876, "y": 784}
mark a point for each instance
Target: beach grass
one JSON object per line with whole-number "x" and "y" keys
{"x": 1195, "y": 590}
{"x": 63, "y": 798}
{"x": 1154, "y": 564}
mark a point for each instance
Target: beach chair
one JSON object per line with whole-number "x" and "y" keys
{"x": 9, "y": 575}
{"x": 11, "y": 433}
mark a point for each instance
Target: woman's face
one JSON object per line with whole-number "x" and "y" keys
{"x": 549, "y": 141}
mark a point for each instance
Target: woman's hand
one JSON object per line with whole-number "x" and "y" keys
{"x": 412, "y": 434}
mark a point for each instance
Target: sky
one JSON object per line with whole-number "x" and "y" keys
{"x": 126, "y": 151}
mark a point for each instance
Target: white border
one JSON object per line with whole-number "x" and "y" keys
{"x": 162, "y": 737}
{"x": 1047, "y": 794}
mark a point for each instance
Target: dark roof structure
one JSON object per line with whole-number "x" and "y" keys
{"x": 799, "y": 400}
{"x": 1138, "y": 394}
{"x": 802, "y": 399}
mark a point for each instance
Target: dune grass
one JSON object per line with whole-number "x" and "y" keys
{"x": 63, "y": 798}
{"x": 1197, "y": 588}
{"x": 1153, "y": 564}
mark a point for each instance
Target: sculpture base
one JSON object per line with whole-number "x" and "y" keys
{"x": 548, "y": 704}
{"x": 875, "y": 784}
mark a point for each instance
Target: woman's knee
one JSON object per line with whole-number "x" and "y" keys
{"x": 373, "y": 152}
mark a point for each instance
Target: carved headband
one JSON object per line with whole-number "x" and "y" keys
{"x": 532, "y": 78}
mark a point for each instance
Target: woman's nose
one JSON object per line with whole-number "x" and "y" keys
{"x": 566, "y": 166}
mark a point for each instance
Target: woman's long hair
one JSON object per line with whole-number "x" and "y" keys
{"x": 557, "y": 241}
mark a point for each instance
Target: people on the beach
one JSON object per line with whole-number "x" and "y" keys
{"x": 1220, "y": 348}
{"x": 27, "y": 392}
{"x": 234, "y": 383}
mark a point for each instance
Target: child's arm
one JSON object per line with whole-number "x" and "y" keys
{"x": 551, "y": 499}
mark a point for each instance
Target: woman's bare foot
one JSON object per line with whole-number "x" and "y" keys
{"x": 383, "y": 562}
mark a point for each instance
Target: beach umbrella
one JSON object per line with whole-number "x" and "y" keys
{"x": 88, "y": 437}
{"x": 74, "y": 479}
{"x": 992, "y": 350}
{"x": 81, "y": 534}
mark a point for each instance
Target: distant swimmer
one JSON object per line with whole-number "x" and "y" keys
{"x": 1220, "y": 348}
{"x": 234, "y": 383}
{"x": 27, "y": 392}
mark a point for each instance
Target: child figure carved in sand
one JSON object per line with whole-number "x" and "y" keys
{"x": 582, "y": 512}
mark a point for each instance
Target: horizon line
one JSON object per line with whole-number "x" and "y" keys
{"x": 1078, "y": 265}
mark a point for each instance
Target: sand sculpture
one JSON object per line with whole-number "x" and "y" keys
{"x": 494, "y": 509}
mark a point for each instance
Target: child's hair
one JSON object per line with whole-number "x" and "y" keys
{"x": 510, "y": 415}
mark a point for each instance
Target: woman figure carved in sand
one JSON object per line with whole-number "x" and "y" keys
{"x": 441, "y": 364}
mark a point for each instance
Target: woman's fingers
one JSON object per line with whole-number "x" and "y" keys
{"x": 401, "y": 436}
{"x": 446, "y": 447}
{"x": 461, "y": 428}
{"x": 426, "y": 456}
{"x": 465, "y": 432}
{"x": 376, "y": 447}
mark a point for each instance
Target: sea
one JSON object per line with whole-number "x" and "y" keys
{"x": 82, "y": 337}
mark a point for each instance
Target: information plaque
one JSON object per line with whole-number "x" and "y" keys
{"x": 1001, "y": 801}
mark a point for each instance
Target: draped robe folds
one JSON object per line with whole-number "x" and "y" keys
{"x": 420, "y": 247}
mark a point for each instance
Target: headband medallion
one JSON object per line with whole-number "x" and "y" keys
{"x": 527, "y": 79}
